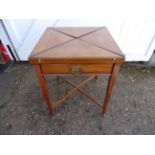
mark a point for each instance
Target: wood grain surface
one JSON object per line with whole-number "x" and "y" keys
{"x": 79, "y": 44}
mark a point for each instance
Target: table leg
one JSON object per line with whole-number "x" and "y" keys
{"x": 96, "y": 77}
{"x": 58, "y": 79}
{"x": 43, "y": 86}
{"x": 110, "y": 86}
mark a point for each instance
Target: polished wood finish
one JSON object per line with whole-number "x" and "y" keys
{"x": 106, "y": 42}
{"x": 49, "y": 39}
{"x": 56, "y": 47}
{"x": 76, "y": 51}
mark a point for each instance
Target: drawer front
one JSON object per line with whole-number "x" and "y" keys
{"x": 76, "y": 69}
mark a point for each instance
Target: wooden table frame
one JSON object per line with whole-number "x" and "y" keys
{"x": 76, "y": 51}
{"x": 53, "y": 105}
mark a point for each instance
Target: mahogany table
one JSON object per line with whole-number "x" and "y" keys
{"x": 76, "y": 51}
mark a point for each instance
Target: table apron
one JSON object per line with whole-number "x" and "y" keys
{"x": 76, "y": 69}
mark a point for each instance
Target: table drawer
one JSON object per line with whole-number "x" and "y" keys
{"x": 76, "y": 69}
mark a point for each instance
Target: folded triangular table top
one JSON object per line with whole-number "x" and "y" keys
{"x": 76, "y": 45}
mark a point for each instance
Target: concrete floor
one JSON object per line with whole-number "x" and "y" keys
{"x": 131, "y": 109}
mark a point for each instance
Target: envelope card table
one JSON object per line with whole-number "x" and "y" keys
{"x": 76, "y": 51}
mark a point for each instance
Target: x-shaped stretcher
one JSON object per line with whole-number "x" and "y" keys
{"x": 74, "y": 89}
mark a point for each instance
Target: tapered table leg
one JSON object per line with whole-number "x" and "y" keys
{"x": 58, "y": 79}
{"x": 110, "y": 87}
{"x": 96, "y": 77}
{"x": 43, "y": 86}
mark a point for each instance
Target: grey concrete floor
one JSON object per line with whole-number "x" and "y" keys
{"x": 131, "y": 109}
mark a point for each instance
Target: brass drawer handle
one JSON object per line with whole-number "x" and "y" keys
{"x": 76, "y": 70}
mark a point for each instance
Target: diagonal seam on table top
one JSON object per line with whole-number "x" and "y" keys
{"x": 108, "y": 50}
{"x": 78, "y": 36}
{"x": 52, "y": 47}
{"x": 89, "y": 33}
{"x": 85, "y": 42}
{"x": 35, "y": 54}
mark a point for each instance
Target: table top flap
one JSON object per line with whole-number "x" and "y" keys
{"x": 76, "y": 43}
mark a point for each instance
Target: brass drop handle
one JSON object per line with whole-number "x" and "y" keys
{"x": 76, "y": 70}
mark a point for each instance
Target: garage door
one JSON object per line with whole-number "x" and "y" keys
{"x": 135, "y": 38}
